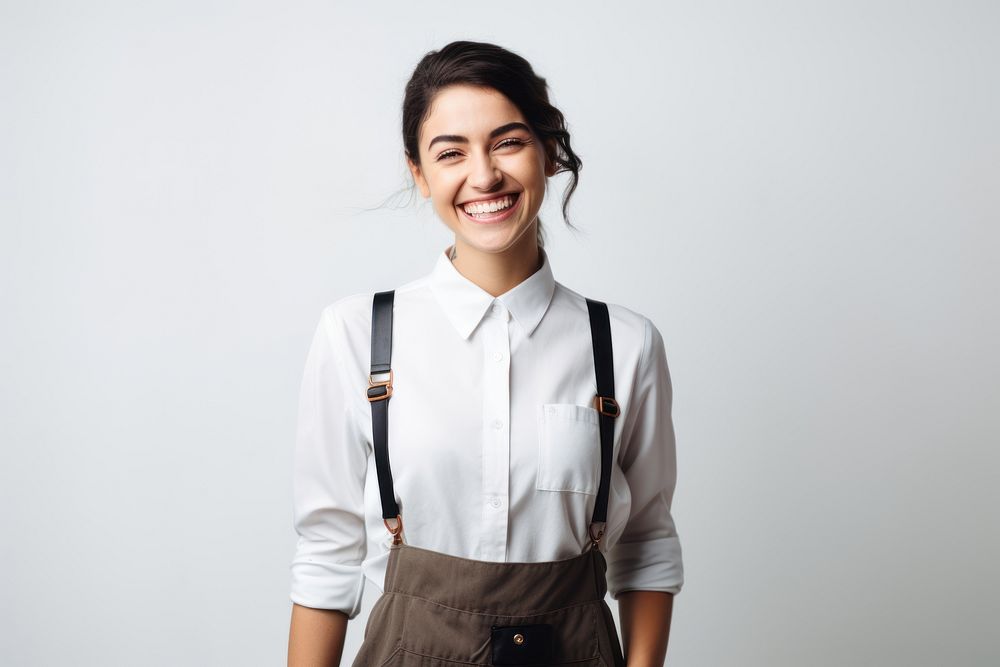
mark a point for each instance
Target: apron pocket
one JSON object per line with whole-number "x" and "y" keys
{"x": 403, "y": 658}
{"x": 522, "y": 644}
{"x": 569, "y": 448}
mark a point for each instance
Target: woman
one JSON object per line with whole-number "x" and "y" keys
{"x": 518, "y": 461}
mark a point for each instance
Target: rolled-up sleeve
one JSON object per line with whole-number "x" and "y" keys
{"x": 648, "y": 554}
{"x": 330, "y": 465}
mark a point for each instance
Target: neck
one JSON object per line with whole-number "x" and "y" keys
{"x": 496, "y": 272}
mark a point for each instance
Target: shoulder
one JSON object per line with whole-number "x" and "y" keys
{"x": 348, "y": 320}
{"x": 630, "y": 329}
{"x": 344, "y": 318}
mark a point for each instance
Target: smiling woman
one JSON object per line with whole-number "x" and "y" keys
{"x": 477, "y": 75}
{"x": 532, "y": 447}
{"x": 484, "y": 169}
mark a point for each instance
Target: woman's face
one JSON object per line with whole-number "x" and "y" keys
{"x": 483, "y": 168}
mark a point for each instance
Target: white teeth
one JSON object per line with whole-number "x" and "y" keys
{"x": 490, "y": 206}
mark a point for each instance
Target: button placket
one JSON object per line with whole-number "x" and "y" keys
{"x": 496, "y": 432}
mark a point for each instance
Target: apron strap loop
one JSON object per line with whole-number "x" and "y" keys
{"x": 397, "y": 532}
{"x": 595, "y": 541}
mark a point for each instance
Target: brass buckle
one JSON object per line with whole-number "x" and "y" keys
{"x": 607, "y": 406}
{"x": 595, "y": 540}
{"x": 379, "y": 391}
{"x": 396, "y": 534}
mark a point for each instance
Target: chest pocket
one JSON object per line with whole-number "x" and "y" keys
{"x": 569, "y": 448}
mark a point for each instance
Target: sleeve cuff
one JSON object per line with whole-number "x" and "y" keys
{"x": 655, "y": 565}
{"x": 328, "y": 586}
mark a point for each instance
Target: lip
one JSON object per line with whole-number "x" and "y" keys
{"x": 500, "y": 216}
{"x": 490, "y": 198}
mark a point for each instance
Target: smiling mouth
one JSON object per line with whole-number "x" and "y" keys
{"x": 492, "y": 208}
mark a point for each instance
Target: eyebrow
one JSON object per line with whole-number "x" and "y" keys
{"x": 457, "y": 138}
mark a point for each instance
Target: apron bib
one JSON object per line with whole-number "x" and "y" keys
{"x": 441, "y": 610}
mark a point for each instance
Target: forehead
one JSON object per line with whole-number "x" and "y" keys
{"x": 469, "y": 111}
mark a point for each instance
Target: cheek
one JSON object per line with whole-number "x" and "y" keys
{"x": 444, "y": 199}
{"x": 534, "y": 182}
{"x": 532, "y": 171}
{"x": 446, "y": 194}
{"x": 444, "y": 185}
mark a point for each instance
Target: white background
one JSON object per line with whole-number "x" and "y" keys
{"x": 803, "y": 196}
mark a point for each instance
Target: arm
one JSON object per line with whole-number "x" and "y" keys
{"x": 645, "y": 617}
{"x": 316, "y": 637}
{"x": 645, "y": 568}
{"x": 330, "y": 466}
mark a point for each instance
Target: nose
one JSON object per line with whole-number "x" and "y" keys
{"x": 484, "y": 174}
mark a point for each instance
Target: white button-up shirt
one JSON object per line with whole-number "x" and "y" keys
{"x": 493, "y": 440}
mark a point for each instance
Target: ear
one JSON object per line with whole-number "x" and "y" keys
{"x": 550, "y": 157}
{"x": 418, "y": 178}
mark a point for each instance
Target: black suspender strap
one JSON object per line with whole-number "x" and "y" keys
{"x": 606, "y": 405}
{"x": 380, "y": 390}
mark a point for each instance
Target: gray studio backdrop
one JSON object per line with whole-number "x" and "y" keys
{"x": 802, "y": 195}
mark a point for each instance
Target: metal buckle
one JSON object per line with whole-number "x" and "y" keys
{"x": 595, "y": 540}
{"x": 396, "y": 534}
{"x": 607, "y": 406}
{"x": 379, "y": 391}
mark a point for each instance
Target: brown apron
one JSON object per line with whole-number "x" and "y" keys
{"x": 439, "y": 609}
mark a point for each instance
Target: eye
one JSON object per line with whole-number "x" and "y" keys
{"x": 512, "y": 141}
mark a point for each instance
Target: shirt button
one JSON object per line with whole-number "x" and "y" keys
{"x": 497, "y": 424}
{"x": 495, "y": 502}
{"x": 498, "y": 355}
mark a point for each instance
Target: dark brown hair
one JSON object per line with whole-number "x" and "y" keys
{"x": 490, "y": 66}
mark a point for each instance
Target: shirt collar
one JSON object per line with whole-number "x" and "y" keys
{"x": 465, "y": 303}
